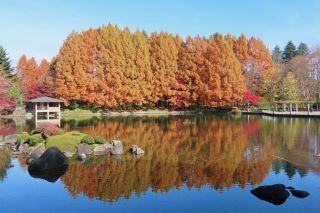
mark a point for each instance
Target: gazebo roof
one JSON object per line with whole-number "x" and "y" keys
{"x": 44, "y": 100}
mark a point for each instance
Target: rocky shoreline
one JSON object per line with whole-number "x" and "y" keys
{"x": 20, "y": 149}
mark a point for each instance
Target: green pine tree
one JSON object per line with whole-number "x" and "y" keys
{"x": 302, "y": 49}
{"x": 5, "y": 63}
{"x": 276, "y": 55}
{"x": 289, "y": 51}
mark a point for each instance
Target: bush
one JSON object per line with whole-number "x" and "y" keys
{"x": 48, "y": 129}
{"x": 88, "y": 140}
{"x": 23, "y": 137}
{"x": 34, "y": 132}
{"x": 35, "y": 139}
{"x": 99, "y": 140}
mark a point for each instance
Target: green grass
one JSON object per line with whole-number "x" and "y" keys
{"x": 65, "y": 142}
{"x": 79, "y": 111}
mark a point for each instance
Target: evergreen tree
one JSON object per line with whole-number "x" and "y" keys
{"x": 5, "y": 63}
{"x": 289, "y": 51}
{"x": 302, "y": 49}
{"x": 276, "y": 55}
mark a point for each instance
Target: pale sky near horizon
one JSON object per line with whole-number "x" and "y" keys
{"x": 38, "y": 27}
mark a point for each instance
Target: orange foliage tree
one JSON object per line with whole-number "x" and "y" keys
{"x": 31, "y": 75}
{"x": 111, "y": 67}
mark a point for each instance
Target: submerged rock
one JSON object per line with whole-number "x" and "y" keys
{"x": 102, "y": 149}
{"x": 135, "y": 149}
{"x": 52, "y": 159}
{"x": 275, "y": 194}
{"x": 299, "y": 193}
{"x": 83, "y": 148}
{"x": 117, "y": 147}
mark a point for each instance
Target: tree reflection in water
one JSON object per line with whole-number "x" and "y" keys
{"x": 194, "y": 151}
{"x": 5, "y": 162}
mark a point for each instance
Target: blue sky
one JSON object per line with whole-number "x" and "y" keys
{"x": 38, "y": 27}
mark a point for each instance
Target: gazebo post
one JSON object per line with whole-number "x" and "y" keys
{"x": 290, "y": 108}
{"x": 308, "y": 107}
{"x": 47, "y": 111}
{"x": 284, "y": 107}
{"x": 36, "y": 113}
{"x": 297, "y": 107}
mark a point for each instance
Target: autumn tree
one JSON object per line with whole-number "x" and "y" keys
{"x": 191, "y": 62}
{"x": 164, "y": 52}
{"x": 222, "y": 79}
{"x": 144, "y": 78}
{"x": 291, "y": 90}
{"x": 49, "y": 78}
{"x": 241, "y": 50}
{"x": 30, "y": 73}
{"x": 75, "y": 71}
{"x": 7, "y": 104}
{"x": 259, "y": 67}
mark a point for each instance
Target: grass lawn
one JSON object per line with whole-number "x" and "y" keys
{"x": 80, "y": 111}
{"x": 65, "y": 142}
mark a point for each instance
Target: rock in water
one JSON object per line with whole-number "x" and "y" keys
{"x": 275, "y": 194}
{"x": 299, "y": 193}
{"x": 117, "y": 147}
{"x": 83, "y": 148}
{"x": 36, "y": 152}
{"x": 68, "y": 154}
{"x": 81, "y": 157}
{"x": 11, "y": 139}
{"x": 136, "y": 150}
{"x": 102, "y": 149}
{"x": 52, "y": 159}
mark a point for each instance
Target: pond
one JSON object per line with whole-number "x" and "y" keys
{"x": 201, "y": 163}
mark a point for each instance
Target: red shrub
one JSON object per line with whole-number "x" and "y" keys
{"x": 250, "y": 98}
{"x": 48, "y": 129}
{"x": 7, "y": 105}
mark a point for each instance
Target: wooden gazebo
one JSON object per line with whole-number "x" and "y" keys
{"x": 46, "y": 110}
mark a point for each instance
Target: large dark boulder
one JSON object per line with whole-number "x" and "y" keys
{"x": 275, "y": 194}
{"x": 299, "y": 193}
{"x": 51, "y": 160}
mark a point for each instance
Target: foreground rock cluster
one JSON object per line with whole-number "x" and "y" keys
{"x": 51, "y": 163}
{"x": 31, "y": 153}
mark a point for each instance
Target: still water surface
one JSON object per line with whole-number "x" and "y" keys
{"x": 191, "y": 164}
